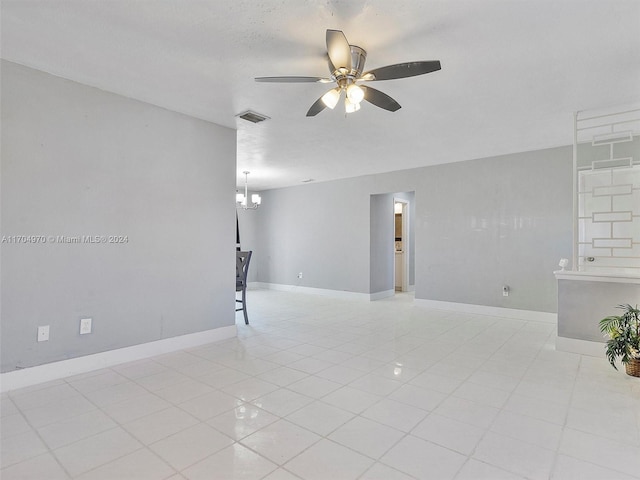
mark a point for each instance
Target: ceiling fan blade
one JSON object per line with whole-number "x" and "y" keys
{"x": 332, "y": 68}
{"x": 338, "y": 49}
{"x": 402, "y": 70}
{"x": 380, "y": 99}
{"x": 316, "y": 108}
{"x": 293, "y": 79}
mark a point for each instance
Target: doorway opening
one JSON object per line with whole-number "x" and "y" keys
{"x": 383, "y": 247}
{"x": 401, "y": 245}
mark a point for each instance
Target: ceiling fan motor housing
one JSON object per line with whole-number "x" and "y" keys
{"x": 346, "y": 77}
{"x": 358, "y": 57}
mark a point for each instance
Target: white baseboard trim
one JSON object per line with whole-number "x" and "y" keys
{"x": 322, "y": 291}
{"x": 381, "y": 295}
{"x": 583, "y": 347}
{"x": 74, "y": 366}
{"x": 529, "y": 315}
{"x": 313, "y": 291}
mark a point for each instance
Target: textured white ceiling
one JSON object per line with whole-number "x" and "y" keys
{"x": 513, "y": 72}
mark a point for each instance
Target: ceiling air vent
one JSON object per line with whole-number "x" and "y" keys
{"x": 252, "y": 117}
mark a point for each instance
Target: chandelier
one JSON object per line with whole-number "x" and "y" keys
{"x": 241, "y": 199}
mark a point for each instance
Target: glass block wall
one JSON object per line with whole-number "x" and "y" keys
{"x": 607, "y": 187}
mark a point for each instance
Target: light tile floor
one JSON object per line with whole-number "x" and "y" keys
{"x": 319, "y": 388}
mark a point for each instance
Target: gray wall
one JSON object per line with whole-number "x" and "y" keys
{"x": 478, "y": 224}
{"x": 582, "y": 304}
{"x": 382, "y": 274}
{"x": 496, "y": 221}
{"x": 321, "y": 230}
{"x": 81, "y": 161}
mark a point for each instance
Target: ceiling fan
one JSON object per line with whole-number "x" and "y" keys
{"x": 346, "y": 63}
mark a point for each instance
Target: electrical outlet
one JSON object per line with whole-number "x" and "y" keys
{"x": 300, "y": 275}
{"x": 85, "y": 326}
{"x": 43, "y": 333}
{"x": 505, "y": 291}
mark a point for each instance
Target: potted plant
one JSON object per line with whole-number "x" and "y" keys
{"x": 624, "y": 338}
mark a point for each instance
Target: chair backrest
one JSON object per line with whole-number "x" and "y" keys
{"x": 242, "y": 266}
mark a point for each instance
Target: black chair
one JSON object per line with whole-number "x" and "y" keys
{"x": 242, "y": 268}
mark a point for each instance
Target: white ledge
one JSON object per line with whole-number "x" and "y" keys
{"x": 612, "y": 277}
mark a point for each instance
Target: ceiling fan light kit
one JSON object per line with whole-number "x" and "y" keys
{"x": 346, "y": 65}
{"x": 330, "y": 99}
{"x": 350, "y": 107}
{"x": 355, "y": 94}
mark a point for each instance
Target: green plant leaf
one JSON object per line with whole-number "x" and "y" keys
{"x": 624, "y": 334}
